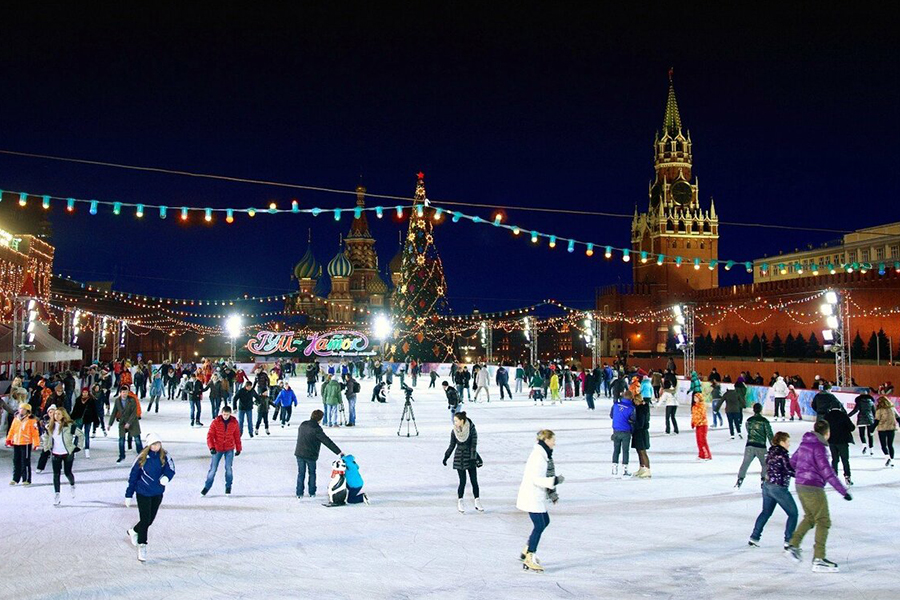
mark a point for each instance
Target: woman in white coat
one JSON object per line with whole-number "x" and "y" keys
{"x": 538, "y": 487}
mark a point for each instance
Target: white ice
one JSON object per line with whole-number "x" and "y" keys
{"x": 682, "y": 534}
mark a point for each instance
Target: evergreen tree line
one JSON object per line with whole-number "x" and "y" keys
{"x": 791, "y": 346}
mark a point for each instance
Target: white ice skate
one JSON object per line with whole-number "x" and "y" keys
{"x": 625, "y": 472}
{"x": 56, "y": 499}
{"x": 87, "y": 452}
{"x": 133, "y": 536}
{"x": 478, "y": 505}
{"x": 72, "y": 491}
{"x": 615, "y": 469}
{"x": 142, "y": 552}
{"x": 823, "y": 565}
{"x": 460, "y": 506}
{"x": 531, "y": 563}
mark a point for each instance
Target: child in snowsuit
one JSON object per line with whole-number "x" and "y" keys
{"x": 354, "y": 481}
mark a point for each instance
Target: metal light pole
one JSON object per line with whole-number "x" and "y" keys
{"x": 684, "y": 334}
{"x": 836, "y": 337}
{"x": 487, "y": 341}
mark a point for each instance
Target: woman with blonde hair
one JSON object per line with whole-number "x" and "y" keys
{"x": 62, "y": 439}
{"x": 151, "y": 472}
{"x": 538, "y": 487}
{"x": 886, "y": 424}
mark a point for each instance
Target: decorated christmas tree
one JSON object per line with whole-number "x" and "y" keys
{"x": 421, "y": 296}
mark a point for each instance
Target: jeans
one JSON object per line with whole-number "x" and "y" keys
{"x": 487, "y": 392}
{"x": 354, "y": 495}
{"x": 148, "y": 506}
{"x": 776, "y": 495}
{"x": 734, "y": 420}
{"x": 101, "y": 414}
{"x": 840, "y": 452}
{"x": 310, "y": 388}
{"x": 60, "y": 462}
{"x": 286, "y": 412}
{"x": 473, "y": 477}
{"x": 302, "y": 465}
{"x": 331, "y": 414}
{"x": 351, "y": 415}
{"x": 195, "y": 408}
{"x": 621, "y": 443}
{"x": 607, "y": 388}
{"x": 262, "y": 416}
{"x": 519, "y": 383}
{"x": 717, "y": 419}
{"x": 508, "y": 392}
{"x": 887, "y": 442}
{"x": 779, "y": 406}
{"x": 815, "y": 514}
{"x": 590, "y": 400}
{"x": 137, "y": 444}
{"x": 245, "y": 414}
{"x": 540, "y": 521}
{"x": 750, "y": 453}
{"x": 215, "y": 406}
{"x": 86, "y": 435}
{"x": 453, "y": 411}
{"x": 670, "y": 418}
{"x": 214, "y": 467}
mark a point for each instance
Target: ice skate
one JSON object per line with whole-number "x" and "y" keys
{"x": 460, "y": 507}
{"x": 625, "y": 472}
{"x": 753, "y": 543}
{"x": 39, "y": 471}
{"x": 72, "y": 491}
{"x": 793, "y": 553}
{"x": 142, "y": 552}
{"x": 478, "y": 505}
{"x": 365, "y": 499}
{"x": 889, "y": 463}
{"x": 531, "y": 563}
{"x": 204, "y": 491}
{"x": 739, "y": 482}
{"x": 643, "y": 473}
{"x": 133, "y": 536}
{"x": 823, "y": 565}
{"x": 87, "y": 453}
{"x": 523, "y": 554}
{"x": 865, "y": 448}
{"x": 13, "y": 483}
{"x": 104, "y": 433}
{"x": 615, "y": 469}
{"x": 228, "y": 491}
{"x": 56, "y": 499}
{"x": 848, "y": 481}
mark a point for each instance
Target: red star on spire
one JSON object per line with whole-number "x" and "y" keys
{"x": 421, "y": 175}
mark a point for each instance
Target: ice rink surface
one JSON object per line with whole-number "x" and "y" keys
{"x": 682, "y": 534}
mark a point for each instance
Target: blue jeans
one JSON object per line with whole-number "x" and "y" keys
{"x": 590, "y": 400}
{"x": 214, "y": 405}
{"x": 771, "y": 495}
{"x": 540, "y": 520}
{"x": 351, "y": 418}
{"x": 331, "y": 414}
{"x": 717, "y": 418}
{"x": 214, "y": 467}
{"x": 302, "y": 465}
{"x": 245, "y": 414}
{"x": 195, "y": 407}
{"x": 86, "y": 434}
{"x": 137, "y": 445}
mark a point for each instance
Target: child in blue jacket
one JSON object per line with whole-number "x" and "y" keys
{"x": 151, "y": 472}
{"x": 354, "y": 481}
{"x": 286, "y": 399}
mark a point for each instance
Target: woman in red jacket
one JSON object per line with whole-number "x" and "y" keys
{"x": 223, "y": 440}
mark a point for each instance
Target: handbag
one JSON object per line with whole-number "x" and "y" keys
{"x": 478, "y": 461}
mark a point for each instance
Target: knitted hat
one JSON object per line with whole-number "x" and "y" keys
{"x": 26, "y": 406}
{"x": 52, "y": 407}
{"x": 153, "y": 438}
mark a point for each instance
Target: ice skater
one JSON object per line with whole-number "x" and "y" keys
{"x": 864, "y": 409}
{"x": 538, "y": 487}
{"x": 622, "y": 415}
{"x": 127, "y": 411}
{"x": 150, "y": 474}
{"x": 464, "y": 447}
{"x": 812, "y": 472}
{"x": 759, "y": 433}
{"x": 795, "y": 403}
{"x": 886, "y": 424}
{"x": 640, "y": 435}
{"x": 84, "y": 412}
{"x": 776, "y": 490}
{"x": 62, "y": 439}
{"x": 287, "y": 400}
{"x": 355, "y": 494}
{"x": 23, "y": 436}
{"x": 839, "y": 441}
{"x": 224, "y": 441}
{"x": 668, "y": 399}
{"x": 700, "y": 424}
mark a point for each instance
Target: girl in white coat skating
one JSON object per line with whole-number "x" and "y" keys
{"x": 537, "y": 489}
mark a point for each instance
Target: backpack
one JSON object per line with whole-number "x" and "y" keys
{"x": 356, "y": 387}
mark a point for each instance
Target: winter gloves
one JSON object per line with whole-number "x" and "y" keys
{"x": 559, "y": 480}
{"x": 164, "y": 480}
{"x": 127, "y": 502}
{"x": 212, "y": 451}
{"x": 238, "y": 453}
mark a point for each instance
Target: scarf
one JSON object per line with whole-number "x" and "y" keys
{"x": 462, "y": 433}
{"x": 551, "y": 472}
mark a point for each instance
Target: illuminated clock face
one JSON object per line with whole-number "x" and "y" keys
{"x": 681, "y": 192}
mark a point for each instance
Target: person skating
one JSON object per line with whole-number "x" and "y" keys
{"x": 554, "y": 388}
{"x": 640, "y": 436}
{"x": 622, "y": 415}
{"x": 453, "y": 401}
{"x": 483, "y": 381}
{"x": 537, "y": 385}
{"x": 331, "y": 397}
{"x": 538, "y": 487}
{"x": 243, "y": 401}
{"x": 84, "y": 413}
{"x": 262, "y": 407}
{"x": 464, "y": 447}
{"x": 434, "y": 377}
{"x": 195, "y": 389}
{"x": 840, "y": 439}
{"x": 794, "y": 399}
{"x": 62, "y": 439}
{"x": 310, "y": 437}
{"x": 734, "y": 411}
{"x": 715, "y": 395}
{"x": 759, "y": 434}
{"x": 886, "y": 420}
{"x": 812, "y": 472}
{"x": 125, "y": 411}
{"x": 350, "y": 391}
{"x": 502, "y": 379}
{"x": 156, "y": 390}
{"x": 700, "y": 424}
{"x": 779, "y": 393}
{"x": 23, "y": 437}
{"x": 668, "y": 399}
{"x": 224, "y": 441}
{"x": 864, "y": 409}
{"x": 776, "y": 490}
{"x": 824, "y": 401}
{"x": 287, "y": 400}
{"x": 151, "y": 472}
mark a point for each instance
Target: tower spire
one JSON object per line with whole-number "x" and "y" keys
{"x": 672, "y": 119}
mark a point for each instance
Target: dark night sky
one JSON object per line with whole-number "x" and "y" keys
{"x": 793, "y": 118}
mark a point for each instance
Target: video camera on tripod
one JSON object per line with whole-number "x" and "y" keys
{"x": 408, "y": 414}
{"x": 408, "y": 391}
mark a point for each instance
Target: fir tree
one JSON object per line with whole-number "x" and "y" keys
{"x": 884, "y": 344}
{"x": 719, "y": 346}
{"x": 799, "y": 346}
{"x": 789, "y": 345}
{"x": 421, "y": 296}
{"x": 872, "y": 347}
{"x": 745, "y": 348}
{"x": 764, "y": 348}
{"x": 755, "y": 346}
{"x": 813, "y": 348}
{"x": 858, "y": 348}
{"x": 777, "y": 345}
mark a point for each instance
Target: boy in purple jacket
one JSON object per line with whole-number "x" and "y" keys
{"x": 813, "y": 470}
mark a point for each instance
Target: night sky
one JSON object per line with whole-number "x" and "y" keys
{"x": 792, "y": 115}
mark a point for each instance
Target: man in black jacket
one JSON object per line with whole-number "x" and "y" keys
{"x": 244, "y": 400}
{"x": 310, "y": 438}
{"x": 452, "y": 399}
{"x": 840, "y": 439}
{"x": 195, "y": 394}
{"x": 734, "y": 411}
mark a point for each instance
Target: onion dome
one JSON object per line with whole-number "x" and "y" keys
{"x": 396, "y": 262}
{"x": 308, "y": 267}
{"x": 340, "y": 266}
{"x": 376, "y": 285}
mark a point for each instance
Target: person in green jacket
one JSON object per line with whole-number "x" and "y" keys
{"x": 759, "y": 436}
{"x": 537, "y": 387}
{"x": 331, "y": 396}
{"x": 520, "y": 378}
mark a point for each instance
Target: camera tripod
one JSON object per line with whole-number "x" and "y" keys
{"x": 408, "y": 415}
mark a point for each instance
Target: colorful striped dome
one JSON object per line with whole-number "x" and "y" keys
{"x": 308, "y": 267}
{"x": 340, "y": 266}
{"x": 376, "y": 285}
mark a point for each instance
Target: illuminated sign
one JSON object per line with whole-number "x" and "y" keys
{"x": 331, "y": 343}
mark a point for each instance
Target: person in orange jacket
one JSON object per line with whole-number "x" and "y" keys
{"x": 700, "y": 425}
{"x": 125, "y": 379}
{"x": 23, "y": 436}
